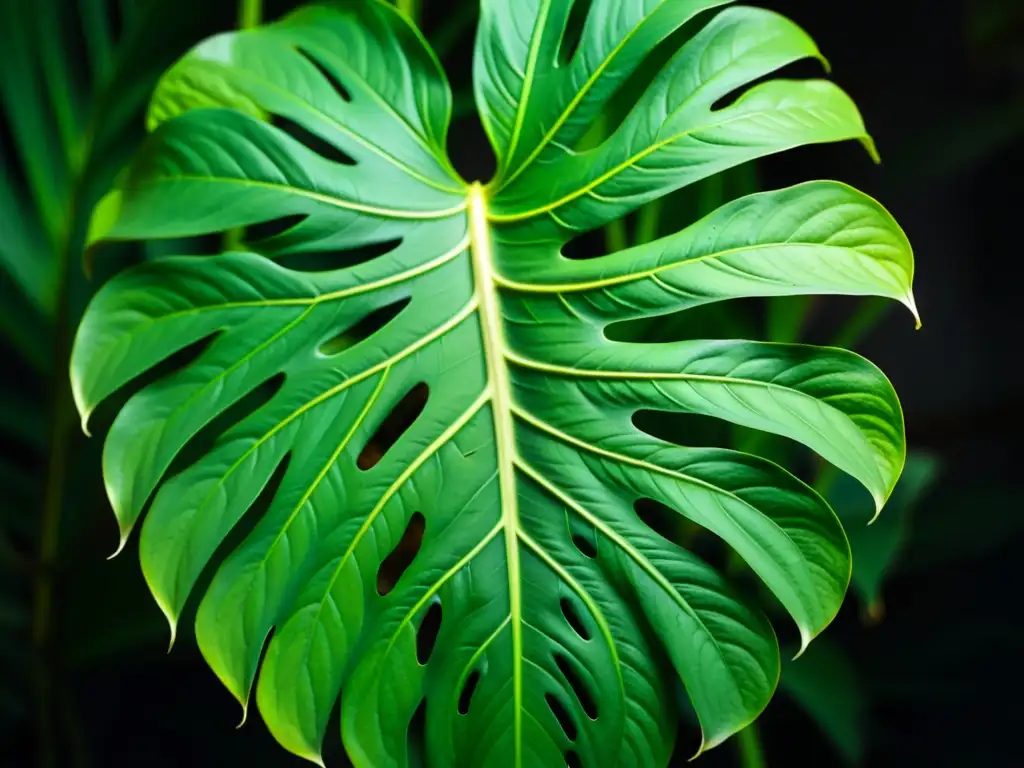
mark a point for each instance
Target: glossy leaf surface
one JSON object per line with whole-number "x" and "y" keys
{"x": 562, "y": 617}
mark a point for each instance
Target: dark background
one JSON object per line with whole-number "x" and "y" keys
{"x": 941, "y": 86}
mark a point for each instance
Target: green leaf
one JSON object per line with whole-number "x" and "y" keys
{"x": 674, "y": 135}
{"x": 877, "y": 547}
{"x": 459, "y": 375}
{"x": 24, "y": 255}
{"x": 825, "y": 684}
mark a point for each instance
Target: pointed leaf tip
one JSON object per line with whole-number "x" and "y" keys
{"x": 172, "y": 621}
{"x": 869, "y": 144}
{"x": 880, "y": 502}
{"x": 873, "y": 613}
{"x": 84, "y": 410}
{"x": 706, "y": 745}
{"x": 911, "y": 303}
{"x": 805, "y": 642}
{"x": 311, "y": 757}
{"x": 120, "y": 545}
{"x": 878, "y": 513}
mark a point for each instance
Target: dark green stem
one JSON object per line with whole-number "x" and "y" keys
{"x": 410, "y": 8}
{"x": 250, "y": 13}
{"x": 648, "y": 222}
{"x": 61, "y": 420}
{"x": 788, "y": 317}
{"x": 862, "y": 322}
{"x": 710, "y": 194}
{"x": 454, "y": 27}
{"x": 250, "y": 16}
{"x": 748, "y": 741}
{"x": 827, "y": 476}
{"x": 615, "y": 236}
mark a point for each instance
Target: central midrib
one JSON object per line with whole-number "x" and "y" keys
{"x": 493, "y": 337}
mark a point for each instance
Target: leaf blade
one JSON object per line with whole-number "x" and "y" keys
{"x": 538, "y": 620}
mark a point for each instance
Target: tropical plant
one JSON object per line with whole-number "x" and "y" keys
{"x": 391, "y": 355}
{"x": 75, "y": 78}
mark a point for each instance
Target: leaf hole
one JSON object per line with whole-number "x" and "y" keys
{"x": 328, "y": 261}
{"x": 260, "y": 505}
{"x": 732, "y": 319}
{"x": 416, "y": 735}
{"x": 583, "y": 695}
{"x": 468, "y": 147}
{"x": 685, "y": 533}
{"x": 206, "y": 438}
{"x": 333, "y": 750}
{"x": 165, "y": 369}
{"x": 258, "y": 233}
{"x": 426, "y": 635}
{"x": 661, "y": 519}
{"x": 196, "y": 245}
{"x": 798, "y": 70}
{"x": 715, "y": 552}
{"x": 326, "y": 72}
{"x": 572, "y": 759}
{"x": 466, "y": 696}
{"x": 312, "y": 141}
{"x": 584, "y": 538}
{"x": 692, "y": 429}
{"x": 235, "y": 538}
{"x": 589, "y": 245}
{"x": 730, "y": 98}
{"x": 626, "y": 96}
{"x": 572, "y": 35}
{"x": 396, "y": 424}
{"x": 363, "y": 329}
{"x": 178, "y": 361}
{"x": 574, "y": 619}
{"x": 585, "y": 545}
{"x": 562, "y": 716}
{"x": 401, "y": 557}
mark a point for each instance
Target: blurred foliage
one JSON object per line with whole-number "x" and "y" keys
{"x": 824, "y": 683}
{"x": 74, "y": 81}
{"x": 993, "y": 30}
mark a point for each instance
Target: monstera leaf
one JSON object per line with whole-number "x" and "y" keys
{"x": 539, "y": 621}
